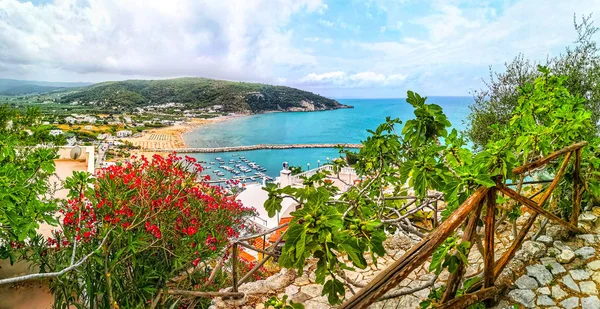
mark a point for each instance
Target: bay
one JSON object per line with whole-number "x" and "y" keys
{"x": 336, "y": 126}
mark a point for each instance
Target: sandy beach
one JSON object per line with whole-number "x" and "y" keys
{"x": 172, "y": 137}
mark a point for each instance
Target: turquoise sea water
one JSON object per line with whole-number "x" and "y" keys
{"x": 337, "y": 126}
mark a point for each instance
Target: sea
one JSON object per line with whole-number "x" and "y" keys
{"x": 334, "y": 126}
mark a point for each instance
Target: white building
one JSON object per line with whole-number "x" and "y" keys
{"x": 70, "y": 120}
{"x": 103, "y": 136}
{"x": 124, "y": 133}
{"x": 254, "y": 196}
{"x": 56, "y": 132}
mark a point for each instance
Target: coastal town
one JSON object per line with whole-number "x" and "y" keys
{"x": 299, "y": 154}
{"x": 153, "y": 127}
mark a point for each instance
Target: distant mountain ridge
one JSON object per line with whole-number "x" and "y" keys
{"x": 196, "y": 92}
{"x": 20, "y": 87}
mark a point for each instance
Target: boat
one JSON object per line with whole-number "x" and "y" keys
{"x": 216, "y": 171}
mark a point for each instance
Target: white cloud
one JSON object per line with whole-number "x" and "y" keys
{"x": 236, "y": 39}
{"x": 327, "y": 23}
{"x": 462, "y": 42}
{"x": 361, "y": 79}
{"x": 318, "y": 39}
{"x": 339, "y": 25}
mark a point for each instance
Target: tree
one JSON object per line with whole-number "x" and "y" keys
{"x": 581, "y": 65}
{"x": 24, "y": 175}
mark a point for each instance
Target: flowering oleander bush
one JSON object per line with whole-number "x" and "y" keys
{"x": 161, "y": 222}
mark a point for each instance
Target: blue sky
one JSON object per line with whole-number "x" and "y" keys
{"x": 371, "y": 48}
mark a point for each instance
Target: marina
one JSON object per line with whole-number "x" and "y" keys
{"x": 241, "y": 170}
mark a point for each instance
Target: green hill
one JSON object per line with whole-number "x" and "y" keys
{"x": 18, "y": 86}
{"x": 29, "y": 89}
{"x": 200, "y": 92}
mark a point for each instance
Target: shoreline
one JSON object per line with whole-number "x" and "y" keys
{"x": 171, "y": 137}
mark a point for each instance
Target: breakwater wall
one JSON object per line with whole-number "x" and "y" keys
{"x": 252, "y": 147}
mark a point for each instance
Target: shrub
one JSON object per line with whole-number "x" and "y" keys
{"x": 148, "y": 223}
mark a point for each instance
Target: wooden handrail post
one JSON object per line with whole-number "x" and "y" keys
{"x": 490, "y": 220}
{"x": 454, "y": 278}
{"x": 234, "y": 277}
{"x": 576, "y": 188}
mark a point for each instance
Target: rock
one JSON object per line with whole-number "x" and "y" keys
{"x": 594, "y": 265}
{"x": 546, "y": 260}
{"x": 587, "y": 217}
{"x": 553, "y": 252}
{"x": 303, "y": 280}
{"x": 566, "y": 256}
{"x": 596, "y": 277}
{"x": 555, "y": 268}
{"x": 558, "y": 293}
{"x": 530, "y": 250}
{"x": 526, "y": 282}
{"x": 540, "y": 273}
{"x": 588, "y": 238}
{"x": 568, "y": 282}
{"x": 570, "y": 303}
{"x": 313, "y": 290}
{"x": 591, "y": 302}
{"x": 545, "y": 300}
{"x": 580, "y": 274}
{"x": 523, "y": 297}
{"x": 561, "y": 245}
{"x": 544, "y": 290}
{"x": 557, "y": 232}
{"x": 588, "y": 287}
{"x": 300, "y": 297}
{"x": 276, "y": 282}
{"x": 291, "y": 290}
{"x": 585, "y": 252}
{"x": 545, "y": 239}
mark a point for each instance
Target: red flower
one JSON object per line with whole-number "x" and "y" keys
{"x": 196, "y": 261}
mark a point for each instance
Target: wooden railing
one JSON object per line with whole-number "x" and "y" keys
{"x": 470, "y": 211}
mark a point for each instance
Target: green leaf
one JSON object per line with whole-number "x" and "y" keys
{"x": 334, "y": 289}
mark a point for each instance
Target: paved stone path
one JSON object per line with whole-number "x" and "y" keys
{"x": 562, "y": 271}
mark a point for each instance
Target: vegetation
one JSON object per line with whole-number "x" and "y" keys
{"x": 429, "y": 159}
{"x": 149, "y": 226}
{"x": 24, "y": 180}
{"x": 28, "y": 89}
{"x": 496, "y": 103}
{"x": 199, "y": 93}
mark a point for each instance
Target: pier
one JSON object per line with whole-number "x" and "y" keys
{"x": 252, "y": 147}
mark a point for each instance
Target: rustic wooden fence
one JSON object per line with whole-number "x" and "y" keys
{"x": 470, "y": 211}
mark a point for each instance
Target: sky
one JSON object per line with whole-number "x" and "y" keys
{"x": 336, "y": 48}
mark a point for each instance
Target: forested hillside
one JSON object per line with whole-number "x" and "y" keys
{"x": 201, "y": 92}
